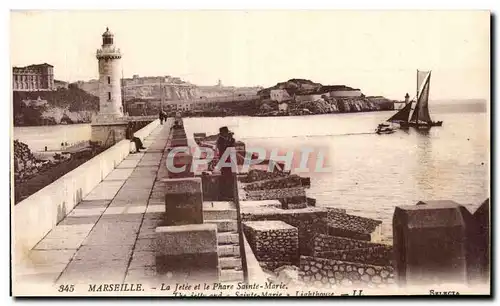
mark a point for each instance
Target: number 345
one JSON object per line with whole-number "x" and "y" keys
{"x": 66, "y": 288}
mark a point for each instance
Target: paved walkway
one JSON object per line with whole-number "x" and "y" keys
{"x": 108, "y": 237}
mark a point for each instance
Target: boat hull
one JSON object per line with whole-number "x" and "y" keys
{"x": 385, "y": 132}
{"x": 421, "y": 125}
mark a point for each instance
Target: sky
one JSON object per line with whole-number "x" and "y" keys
{"x": 378, "y": 51}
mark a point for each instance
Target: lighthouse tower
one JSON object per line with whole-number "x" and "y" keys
{"x": 110, "y": 97}
{"x": 109, "y": 126}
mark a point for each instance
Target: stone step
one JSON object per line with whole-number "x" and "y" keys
{"x": 230, "y": 275}
{"x": 218, "y": 205}
{"x": 226, "y": 225}
{"x": 227, "y": 238}
{"x": 230, "y": 262}
{"x": 228, "y": 250}
{"x": 224, "y": 214}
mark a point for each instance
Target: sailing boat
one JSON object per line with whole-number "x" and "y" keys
{"x": 420, "y": 117}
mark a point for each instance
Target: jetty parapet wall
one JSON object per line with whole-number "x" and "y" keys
{"x": 38, "y": 214}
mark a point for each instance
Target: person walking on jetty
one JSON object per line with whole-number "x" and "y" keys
{"x": 162, "y": 116}
{"x": 225, "y": 141}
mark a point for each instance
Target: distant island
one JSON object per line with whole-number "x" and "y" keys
{"x": 303, "y": 97}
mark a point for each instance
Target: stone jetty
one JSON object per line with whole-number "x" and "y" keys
{"x": 127, "y": 220}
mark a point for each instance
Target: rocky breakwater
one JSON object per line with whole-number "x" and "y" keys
{"x": 323, "y": 272}
{"x": 25, "y": 163}
{"x": 335, "y": 249}
{"x": 352, "y": 250}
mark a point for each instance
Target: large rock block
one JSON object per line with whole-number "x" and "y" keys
{"x": 430, "y": 243}
{"x": 273, "y": 241}
{"x": 354, "y": 227}
{"x": 187, "y": 252}
{"x": 308, "y": 221}
{"x": 183, "y": 201}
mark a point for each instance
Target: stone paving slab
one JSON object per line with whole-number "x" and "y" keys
{"x": 135, "y": 156}
{"x": 127, "y": 202}
{"x": 148, "y": 163}
{"x": 106, "y": 190}
{"x": 144, "y": 244}
{"x": 128, "y": 163}
{"x": 158, "y": 208}
{"x": 86, "y": 211}
{"x": 66, "y": 231}
{"x": 143, "y": 259}
{"x": 125, "y": 210}
{"x": 55, "y": 257}
{"x": 136, "y": 218}
{"x": 73, "y": 242}
{"x": 119, "y": 174}
{"x": 134, "y": 195}
{"x": 93, "y": 203}
{"x": 79, "y": 220}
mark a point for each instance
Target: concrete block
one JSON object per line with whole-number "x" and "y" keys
{"x": 183, "y": 201}
{"x": 190, "y": 249}
{"x": 430, "y": 243}
{"x": 186, "y": 239}
{"x": 182, "y": 161}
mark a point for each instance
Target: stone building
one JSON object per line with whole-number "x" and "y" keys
{"x": 33, "y": 77}
{"x": 279, "y": 95}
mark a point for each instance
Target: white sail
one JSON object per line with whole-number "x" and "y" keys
{"x": 421, "y": 76}
{"x": 421, "y": 112}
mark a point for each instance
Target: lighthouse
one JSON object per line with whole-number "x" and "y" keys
{"x": 109, "y": 125}
{"x": 110, "y": 97}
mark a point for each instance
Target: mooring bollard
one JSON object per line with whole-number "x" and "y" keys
{"x": 187, "y": 253}
{"x": 431, "y": 243}
{"x": 183, "y": 201}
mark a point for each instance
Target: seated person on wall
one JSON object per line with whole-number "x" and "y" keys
{"x": 224, "y": 141}
{"x": 135, "y": 140}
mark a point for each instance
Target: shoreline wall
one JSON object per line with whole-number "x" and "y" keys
{"x": 37, "y": 215}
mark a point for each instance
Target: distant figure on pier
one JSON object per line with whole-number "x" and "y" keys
{"x": 162, "y": 116}
{"x": 226, "y": 186}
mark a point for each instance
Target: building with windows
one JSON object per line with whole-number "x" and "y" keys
{"x": 33, "y": 77}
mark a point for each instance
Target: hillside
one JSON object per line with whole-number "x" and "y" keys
{"x": 72, "y": 105}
